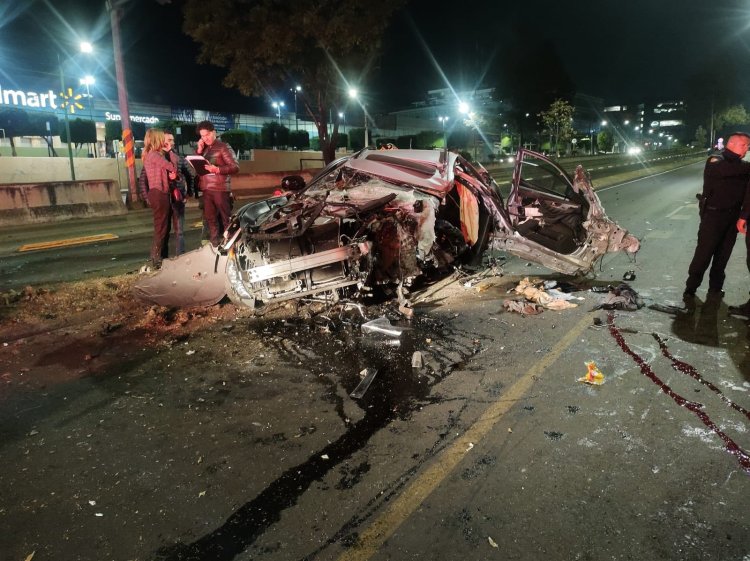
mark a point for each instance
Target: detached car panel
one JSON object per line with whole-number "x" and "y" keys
{"x": 385, "y": 217}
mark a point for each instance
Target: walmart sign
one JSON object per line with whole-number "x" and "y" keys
{"x": 18, "y": 98}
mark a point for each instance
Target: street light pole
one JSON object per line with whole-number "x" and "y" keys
{"x": 367, "y": 137}
{"x": 115, "y": 8}
{"x": 442, "y": 120}
{"x": 295, "y": 90}
{"x": 67, "y": 122}
{"x": 278, "y": 105}
{"x": 353, "y": 94}
{"x": 88, "y": 80}
{"x": 342, "y": 116}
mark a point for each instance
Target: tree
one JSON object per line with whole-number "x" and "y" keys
{"x": 274, "y": 135}
{"x": 15, "y": 122}
{"x": 268, "y": 44}
{"x": 459, "y": 137}
{"x": 605, "y": 141}
{"x": 38, "y": 127}
{"x": 238, "y": 139}
{"x": 301, "y": 139}
{"x": 81, "y": 132}
{"x": 732, "y": 115}
{"x": 113, "y": 130}
{"x": 701, "y": 137}
{"x": 406, "y": 141}
{"x": 558, "y": 119}
{"x": 357, "y": 139}
{"x": 428, "y": 139}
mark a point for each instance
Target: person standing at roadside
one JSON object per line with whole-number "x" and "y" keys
{"x": 154, "y": 182}
{"x": 216, "y": 185}
{"x": 179, "y": 190}
{"x": 725, "y": 184}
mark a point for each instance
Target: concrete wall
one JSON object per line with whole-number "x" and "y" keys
{"x": 45, "y": 169}
{"x": 39, "y": 189}
{"x": 47, "y": 202}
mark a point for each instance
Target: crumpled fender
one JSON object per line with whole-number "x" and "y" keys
{"x": 195, "y": 278}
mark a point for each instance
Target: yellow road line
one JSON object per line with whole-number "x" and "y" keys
{"x": 69, "y": 241}
{"x": 399, "y": 509}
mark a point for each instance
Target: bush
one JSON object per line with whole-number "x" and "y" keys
{"x": 299, "y": 139}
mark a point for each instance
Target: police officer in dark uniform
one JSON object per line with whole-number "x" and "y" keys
{"x": 744, "y": 309}
{"x": 725, "y": 182}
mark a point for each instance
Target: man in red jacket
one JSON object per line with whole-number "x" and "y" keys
{"x": 216, "y": 185}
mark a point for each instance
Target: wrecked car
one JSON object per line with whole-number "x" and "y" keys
{"x": 386, "y": 218}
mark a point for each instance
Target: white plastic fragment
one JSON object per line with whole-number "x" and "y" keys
{"x": 382, "y": 325}
{"x": 416, "y": 360}
{"x": 369, "y": 376}
{"x": 492, "y": 542}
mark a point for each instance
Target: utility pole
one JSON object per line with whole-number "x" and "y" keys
{"x": 114, "y": 7}
{"x": 66, "y": 106}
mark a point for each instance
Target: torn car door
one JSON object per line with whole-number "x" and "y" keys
{"x": 558, "y": 222}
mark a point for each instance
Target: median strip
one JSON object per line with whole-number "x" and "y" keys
{"x": 65, "y": 243}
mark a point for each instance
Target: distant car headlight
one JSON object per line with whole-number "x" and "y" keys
{"x": 635, "y": 150}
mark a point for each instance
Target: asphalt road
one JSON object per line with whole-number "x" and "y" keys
{"x": 242, "y": 442}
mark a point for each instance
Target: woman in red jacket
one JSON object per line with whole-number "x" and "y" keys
{"x": 157, "y": 172}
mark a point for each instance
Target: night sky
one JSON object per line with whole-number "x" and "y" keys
{"x": 621, "y": 51}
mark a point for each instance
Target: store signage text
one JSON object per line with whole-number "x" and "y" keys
{"x": 135, "y": 118}
{"x": 20, "y": 98}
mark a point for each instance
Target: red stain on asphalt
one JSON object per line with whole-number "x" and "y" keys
{"x": 697, "y": 408}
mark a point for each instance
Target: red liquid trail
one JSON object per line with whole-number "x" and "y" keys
{"x": 690, "y": 370}
{"x": 731, "y": 446}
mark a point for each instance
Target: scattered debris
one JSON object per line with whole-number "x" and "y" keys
{"x": 628, "y": 276}
{"x": 382, "y": 325}
{"x": 416, "y": 360}
{"x": 536, "y": 298}
{"x": 593, "y": 375}
{"x": 367, "y": 375}
{"x": 622, "y": 297}
{"x": 492, "y": 542}
{"x": 522, "y": 307}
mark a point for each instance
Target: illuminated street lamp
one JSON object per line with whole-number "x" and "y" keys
{"x": 85, "y": 47}
{"x": 295, "y": 90}
{"x": 278, "y": 105}
{"x": 353, "y": 93}
{"x": 442, "y": 120}
{"x": 464, "y": 108}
